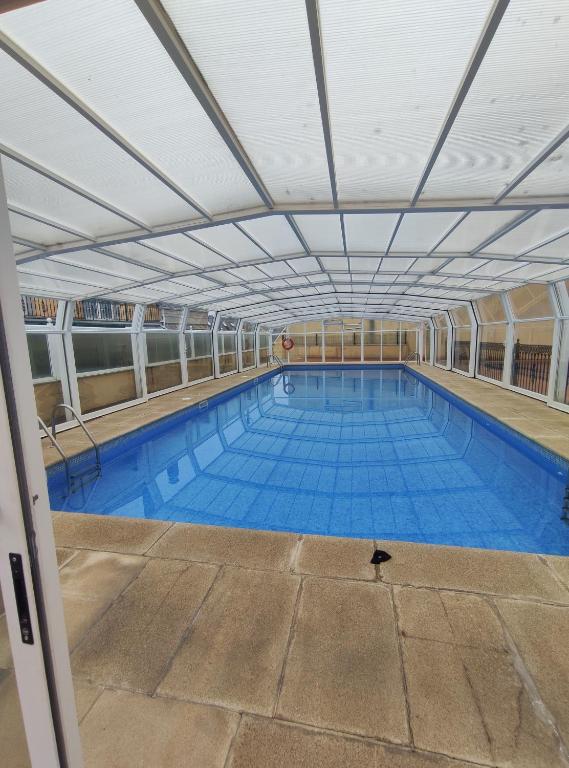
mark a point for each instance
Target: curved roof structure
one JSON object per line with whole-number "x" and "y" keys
{"x": 284, "y": 160}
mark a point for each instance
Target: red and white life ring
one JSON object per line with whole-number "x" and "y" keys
{"x": 288, "y": 344}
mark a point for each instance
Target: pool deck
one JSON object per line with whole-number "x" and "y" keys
{"x": 221, "y": 648}
{"x": 225, "y": 648}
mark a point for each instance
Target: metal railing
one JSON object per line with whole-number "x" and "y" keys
{"x": 71, "y": 478}
{"x": 412, "y": 356}
{"x": 58, "y": 448}
{"x": 275, "y": 358}
{"x": 530, "y": 367}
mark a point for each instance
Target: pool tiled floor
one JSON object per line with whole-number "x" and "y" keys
{"x": 214, "y": 647}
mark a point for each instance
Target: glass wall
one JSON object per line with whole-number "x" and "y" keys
{"x": 105, "y": 369}
{"x": 409, "y": 338}
{"x": 264, "y": 347}
{"x": 48, "y": 388}
{"x": 533, "y": 315}
{"x": 561, "y": 393}
{"x": 333, "y": 341}
{"x": 441, "y": 340}
{"x": 247, "y": 345}
{"x": 426, "y": 331}
{"x": 352, "y": 340}
{"x": 492, "y": 336}
{"x": 199, "y": 345}
{"x": 162, "y": 340}
{"x": 462, "y": 337}
{"x": 227, "y": 345}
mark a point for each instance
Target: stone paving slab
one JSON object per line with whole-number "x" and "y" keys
{"x": 112, "y": 534}
{"x": 510, "y": 574}
{"x": 264, "y": 550}
{"x": 125, "y": 730}
{"x": 271, "y": 744}
{"x": 343, "y": 670}
{"x": 134, "y": 642}
{"x": 541, "y": 632}
{"x": 234, "y": 653}
{"x": 336, "y": 558}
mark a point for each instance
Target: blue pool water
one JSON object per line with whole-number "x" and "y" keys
{"x": 375, "y": 453}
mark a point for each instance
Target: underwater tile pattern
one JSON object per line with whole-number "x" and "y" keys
{"x": 351, "y": 452}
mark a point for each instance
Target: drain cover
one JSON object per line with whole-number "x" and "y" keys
{"x": 380, "y": 556}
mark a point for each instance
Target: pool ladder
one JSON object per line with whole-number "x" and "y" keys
{"x": 94, "y": 471}
{"x": 413, "y": 356}
{"x": 275, "y": 359}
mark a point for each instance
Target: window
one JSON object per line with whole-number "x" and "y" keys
{"x": 492, "y": 335}
{"x": 247, "y": 345}
{"x": 163, "y": 369}
{"x": 533, "y": 339}
{"x": 461, "y": 339}
{"x": 102, "y": 313}
{"x": 105, "y": 369}
{"x": 47, "y": 385}
{"x": 530, "y": 301}
{"x": 441, "y": 340}
{"x": 199, "y": 355}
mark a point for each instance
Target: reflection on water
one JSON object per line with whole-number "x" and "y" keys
{"x": 368, "y": 453}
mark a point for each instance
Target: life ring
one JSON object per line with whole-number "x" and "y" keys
{"x": 288, "y": 344}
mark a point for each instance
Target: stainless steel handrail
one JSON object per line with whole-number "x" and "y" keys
{"x": 58, "y": 448}
{"x": 277, "y": 358}
{"x": 81, "y": 424}
{"x": 412, "y": 356}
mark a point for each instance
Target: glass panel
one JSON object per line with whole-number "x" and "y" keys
{"x": 390, "y": 343}
{"x": 333, "y": 347}
{"x": 532, "y": 355}
{"x": 199, "y": 320}
{"x": 162, "y": 316}
{"x": 461, "y": 349}
{"x": 298, "y": 352}
{"x": 352, "y": 345}
{"x": 39, "y": 310}
{"x": 313, "y": 343}
{"x": 264, "y": 347}
{"x": 530, "y": 301}
{"x": 163, "y": 361}
{"x": 441, "y": 341}
{"x": 492, "y": 351}
{"x": 108, "y": 358}
{"x": 100, "y": 312}
{"x": 562, "y": 383}
{"x": 460, "y": 316}
{"x": 248, "y": 349}
{"x": 426, "y": 343}
{"x": 199, "y": 355}
{"x": 491, "y": 309}
{"x": 372, "y": 344}
{"x": 409, "y": 343}
{"x": 227, "y": 352}
{"x": 47, "y": 387}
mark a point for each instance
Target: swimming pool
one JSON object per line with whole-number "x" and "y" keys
{"x": 379, "y": 453}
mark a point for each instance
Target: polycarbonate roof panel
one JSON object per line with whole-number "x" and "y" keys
{"x": 550, "y": 177}
{"x": 512, "y": 109}
{"x": 419, "y": 232}
{"x": 147, "y": 256}
{"x": 80, "y": 275}
{"x": 393, "y": 68}
{"x": 274, "y": 233}
{"x": 40, "y": 125}
{"x": 369, "y": 232}
{"x": 475, "y": 229}
{"x": 189, "y": 250}
{"x": 93, "y": 260}
{"x": 558, "y": 249}
{"x": 257, "y": 60}
{"x": 535, "y": 230}
{"x": 232, "y": 243}
{"x": 118, "y": 66}
{"x": 26, "y": 228}
{"x": 35, "y": 193}
{"x": 53, "y": 286}
{"x": 322, "y": 232}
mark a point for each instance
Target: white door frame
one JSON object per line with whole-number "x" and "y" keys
{"x": 42, "y": 669}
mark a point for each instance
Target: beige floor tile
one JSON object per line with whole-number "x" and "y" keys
{"x": 475, "y": 570}
{"x": 231, "y": 546}
{"x": 234, "y": 653}
{"x": 132, "y": 645}
{"x": 126, "y": 730}
{"x": 343, "y": 558}
{"x": 5, "y": 652}
{"x": 561, "y": 567}
{"x": 343, "y": 670}
{"x": 540, "y": 633}
{"x": 449, "y": 617}
{"x": 113, "y": 534}
{"x": 264, "y": 743}
{"x": 470, "y": 703}
{"x": 64, "y": 555}
{"x": 80, "y": 615}
{"x": 99, "y": 574}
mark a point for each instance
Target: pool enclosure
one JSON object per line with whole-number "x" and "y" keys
{"x": 185, "y": 184}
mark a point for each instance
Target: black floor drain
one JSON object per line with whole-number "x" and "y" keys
{"x": 380, "y": 556}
